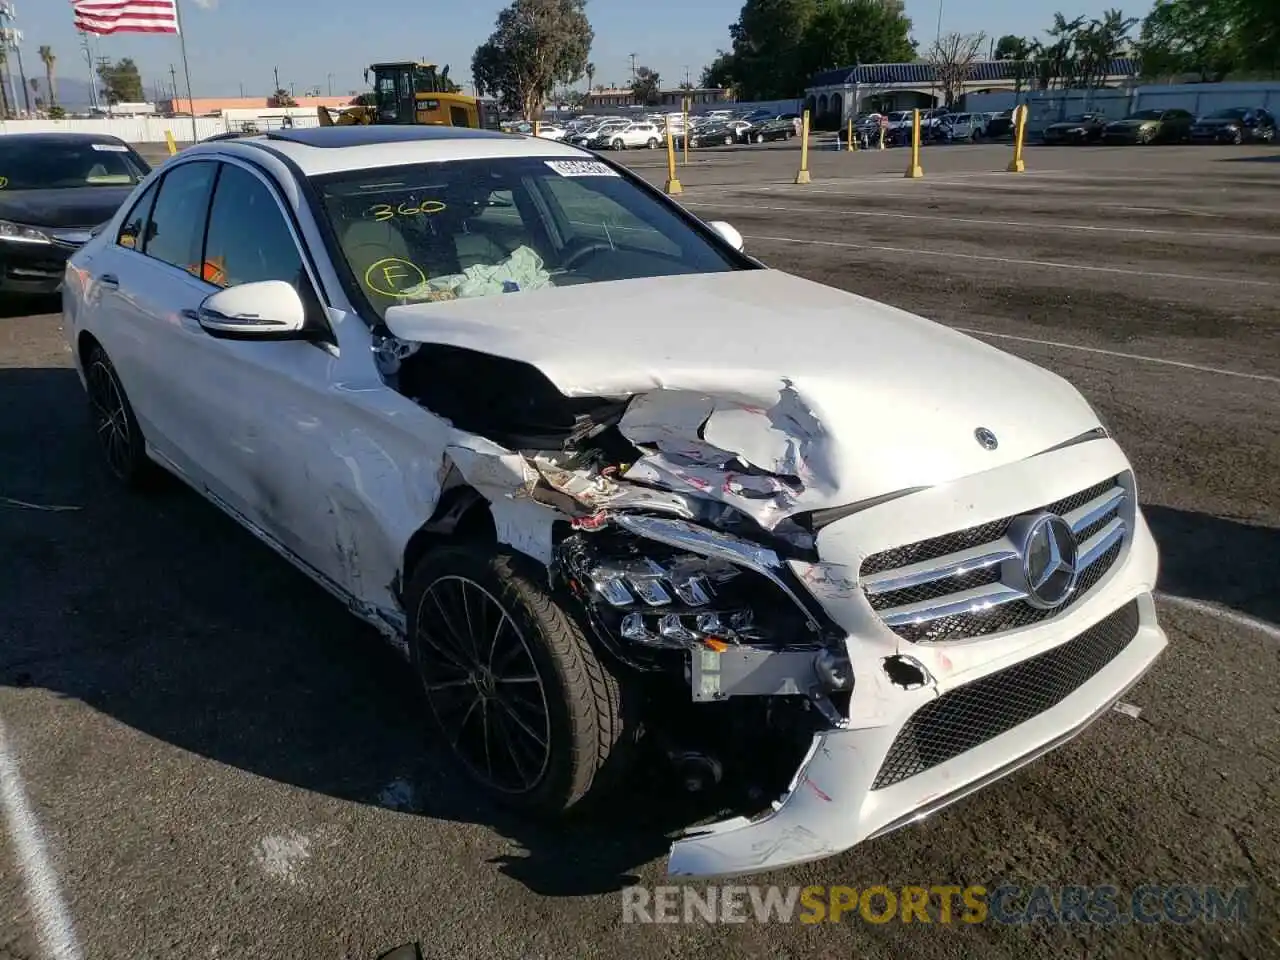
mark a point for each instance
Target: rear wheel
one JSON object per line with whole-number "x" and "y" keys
{"x": 514, "y": 688}
{"x": 618, "y": 144}
{"x": 114, "y": 424}
{"x": 652, "y": 144}
{"x": 758, "y": 138}
{"x": 1237, "y": 136}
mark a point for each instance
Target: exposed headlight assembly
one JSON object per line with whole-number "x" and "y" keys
{"x": 18, "y": 233}
{"x": 654, "y": 583}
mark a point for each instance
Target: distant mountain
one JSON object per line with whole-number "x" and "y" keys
{"x": 73, "y": 93}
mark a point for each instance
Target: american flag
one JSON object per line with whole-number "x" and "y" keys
{"x": 126, "y": 16}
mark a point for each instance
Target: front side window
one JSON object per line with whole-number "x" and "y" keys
{"x": 470, "y": 228}
{"x": 133, "y": 229}
{"x": 40, "y": 164}
{"x": 248, "y": 238}
{"x": 176, "y": 231}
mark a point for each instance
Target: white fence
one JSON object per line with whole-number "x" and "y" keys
{"x": 1050, "y": 106}
{"x": 143, "y": 129}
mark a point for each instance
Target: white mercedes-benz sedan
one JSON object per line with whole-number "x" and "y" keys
{"x": 613, "y": 486}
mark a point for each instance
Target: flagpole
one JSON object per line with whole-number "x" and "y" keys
{"x": 186, "y": 70}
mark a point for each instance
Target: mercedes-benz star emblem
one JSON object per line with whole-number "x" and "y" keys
{"x": 986, "y": 438}
{"x": 1049, "y": 562}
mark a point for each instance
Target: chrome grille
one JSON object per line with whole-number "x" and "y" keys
{"x": 958, "y": 585}
{"x": 969, "y": 716}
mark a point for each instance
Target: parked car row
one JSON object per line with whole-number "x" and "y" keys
{"x": 716, "y": 128}
{"x": 1231, "y": 125}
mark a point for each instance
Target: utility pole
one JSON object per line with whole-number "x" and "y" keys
{"x": 688, "y": 85}
{"x": 104, "y": 71}
{"x": 277, "y": 74}
{"x": 242, "y": 91}
{"x": 633, "y": 68}
{"x": 93, "y": 80}
{"x": 173, "y": 81}
{"x": 330, "y": 78}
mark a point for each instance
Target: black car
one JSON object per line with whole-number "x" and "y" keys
{"x": 54, "y": 189}
{"x": 775, "y": 128}
{"x": 1082, "y": 128}
{"x": 1235, "y": 125}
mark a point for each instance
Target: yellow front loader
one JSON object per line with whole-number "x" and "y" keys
{"x": 411, "y": 93}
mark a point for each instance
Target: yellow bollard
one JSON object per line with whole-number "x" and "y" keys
{"x": 1016, "y": 165}
{"x": 173, "y": 144}
{"x": 537, "y": 128}
{"x": 803, "y": 175}
{"x": 914, "y": 172}
{"x": 882, "y": 129}
{"x": 851, "y": 145}
{"x": 673, "y": 185}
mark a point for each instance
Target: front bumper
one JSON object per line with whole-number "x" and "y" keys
{"x": 32, "y": 269}
{"x": 854, "y": 783}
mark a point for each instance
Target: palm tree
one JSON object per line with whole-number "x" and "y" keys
{"x": 4, "y": 87}
{"x": 590, "y": 71}
{"x": 48, "y": 58}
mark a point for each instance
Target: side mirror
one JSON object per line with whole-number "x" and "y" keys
{"x": 728, "y": 234}
{"x": 266, "y": 310}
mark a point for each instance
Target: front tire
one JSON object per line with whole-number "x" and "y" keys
{"x": 114, "y": 424}
{"x": 512, "y": 684}
{"x": 618, "y": 145}
{"x": 652, "y": 144}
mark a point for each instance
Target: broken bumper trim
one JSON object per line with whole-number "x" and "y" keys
{"x": 831, "y": 807}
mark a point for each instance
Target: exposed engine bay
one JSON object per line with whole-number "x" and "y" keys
{"x": 669, "y": 545}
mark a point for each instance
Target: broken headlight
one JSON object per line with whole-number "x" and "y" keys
{"x": 655, "y": 596}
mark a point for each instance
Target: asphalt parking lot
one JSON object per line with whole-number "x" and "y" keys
{"x": 218, "y": 762}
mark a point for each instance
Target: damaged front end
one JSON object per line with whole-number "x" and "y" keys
{"x": 673, "y": 538}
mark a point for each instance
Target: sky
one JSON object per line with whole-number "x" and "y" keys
{"x": 235, "y": 44}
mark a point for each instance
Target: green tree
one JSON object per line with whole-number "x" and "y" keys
{"x": 1210, "y": 39}
{"x": 719, "y": 72}
{"x": 4, "y": 87}
{"x": 847, "y": 32}
{"x": 768, "y": 41}
{"x": 1097, "y": 43}
{"x": 1010, "y": 47}
{"x": 645, "y": 86}
{"x": 50, "y": 61}
{"x": 536, "y": 44}
{"x": 121, "y": 82}
{"x": 283, "y": 98}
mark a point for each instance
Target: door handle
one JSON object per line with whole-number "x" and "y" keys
{"x": 109, "y": 280}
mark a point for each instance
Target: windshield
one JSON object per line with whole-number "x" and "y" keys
{"x": 1236, "y": 113}
{"x": 57, "y": 165}
{"x": 474, "y": 228}
{"x": 1147, "y": 115}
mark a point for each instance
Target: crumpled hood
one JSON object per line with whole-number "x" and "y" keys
{"x": 852, "y": 398}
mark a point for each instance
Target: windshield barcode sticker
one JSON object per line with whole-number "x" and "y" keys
{"x": 111, "y": 147}
{"x": 581, "y": 168}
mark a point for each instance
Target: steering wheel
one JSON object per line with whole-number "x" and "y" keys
{"x": 585, "y": 247}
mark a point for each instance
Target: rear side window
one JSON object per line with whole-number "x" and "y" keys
{"x": 176, "y": 232}
{"x": 134, "y": 227}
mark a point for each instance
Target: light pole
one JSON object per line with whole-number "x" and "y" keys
{"x": 330, "y": 79}
{"x": 93, "y": 80}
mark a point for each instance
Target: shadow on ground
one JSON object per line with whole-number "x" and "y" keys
{"x": 1217, "y": 560}
{"x": 1256, "y": 158}
{"x": 24, "y": 306}
{"x": 162, "y": 613}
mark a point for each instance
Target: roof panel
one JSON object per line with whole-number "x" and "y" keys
{"x": 364, "y": 136}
